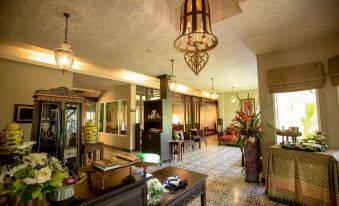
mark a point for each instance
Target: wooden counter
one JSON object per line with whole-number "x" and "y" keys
{"x": 302, "y": 178}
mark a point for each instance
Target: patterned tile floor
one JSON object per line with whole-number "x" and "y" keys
{"x": 226, "y": 182}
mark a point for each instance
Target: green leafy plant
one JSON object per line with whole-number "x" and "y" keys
{"x": 308, "y": 120}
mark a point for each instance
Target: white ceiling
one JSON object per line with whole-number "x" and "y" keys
{"x": 129, "y": 34}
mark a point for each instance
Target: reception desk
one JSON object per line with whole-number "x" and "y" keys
{"x": 305, "y": 178}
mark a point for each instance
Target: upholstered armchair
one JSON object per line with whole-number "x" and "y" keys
{"x": 228, "y": 136}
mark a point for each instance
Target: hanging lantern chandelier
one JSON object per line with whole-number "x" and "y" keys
{"x": 64, "y": 56}
{"x": 195, "y": 37}
{"x": 214, "y": 94}
{"x": 172, "y": 82}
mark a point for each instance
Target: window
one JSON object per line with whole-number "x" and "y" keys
{"x": 113, "y": 117}
{"x": 297, "y": 109}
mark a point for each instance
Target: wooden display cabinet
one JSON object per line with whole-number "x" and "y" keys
{"x": 57, "y": 123}
{"x": 157, "y": 131}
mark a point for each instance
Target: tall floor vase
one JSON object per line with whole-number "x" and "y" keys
{"x": 252, "y": 162}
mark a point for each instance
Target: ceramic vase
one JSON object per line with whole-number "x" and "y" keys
{"x": 62, "y": 193}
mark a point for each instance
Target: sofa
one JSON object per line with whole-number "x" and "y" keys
{"x": 228, "y": 136}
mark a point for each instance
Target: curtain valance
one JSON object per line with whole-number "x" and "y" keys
{"x": 295, "y": 78}
{"x": 333, "y": 70}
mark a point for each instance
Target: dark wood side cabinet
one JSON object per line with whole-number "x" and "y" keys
{"x": 57, "y": 123}
{"x": 157, "y": 131}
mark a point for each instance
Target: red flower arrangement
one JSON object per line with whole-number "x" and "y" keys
{"x": 248, "y": 127}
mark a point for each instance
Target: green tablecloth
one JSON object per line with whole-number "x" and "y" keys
{"x": 303, "y": 178}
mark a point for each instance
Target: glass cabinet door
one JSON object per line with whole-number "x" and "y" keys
{"x": 71, "y": 133}
{"x": 49, "y": 128}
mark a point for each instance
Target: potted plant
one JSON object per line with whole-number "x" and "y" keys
{"x": 29, "y": 180}
{"x": 248, "y": 131}
{"x": 155, "y": 190}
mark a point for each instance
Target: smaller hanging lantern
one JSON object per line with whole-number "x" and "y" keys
{"x": 64, "y": 56}
{"x": 214, "y": 94}
{"x": 172, "y": 82}
{"x": 233, "y": 99}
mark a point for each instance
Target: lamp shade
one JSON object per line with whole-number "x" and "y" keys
{"x": 233, "y": 100}
{"x": 64, "y": 57}
{"x": 195, "y": 28}
{"x": 214, "y": 95}
{"x": 172, "y": 84}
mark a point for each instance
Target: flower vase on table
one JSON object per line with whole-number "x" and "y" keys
{"x": 155, "y": 190}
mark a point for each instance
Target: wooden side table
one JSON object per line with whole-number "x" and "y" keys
{"x": 92, "y": 148}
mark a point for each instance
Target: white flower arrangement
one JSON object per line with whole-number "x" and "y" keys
{"x": 155, "y": 190}
{"x": 35, "y": 175}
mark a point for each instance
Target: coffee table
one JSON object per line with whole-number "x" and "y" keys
{"x": 102, "y": 175}
{"x": 196, "y": 186}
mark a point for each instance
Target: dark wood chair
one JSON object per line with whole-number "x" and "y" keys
{"x": 176, "y": 149}
{"x": 188, "y": 140}
{"x": 200, "y": 138}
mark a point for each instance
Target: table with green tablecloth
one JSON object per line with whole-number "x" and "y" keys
{"x": 303, "y": 178}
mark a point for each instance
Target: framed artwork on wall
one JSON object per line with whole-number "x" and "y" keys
{"x": 247, "y": 105}
{"x": 23, "y": 113}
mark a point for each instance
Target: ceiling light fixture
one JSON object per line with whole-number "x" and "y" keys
{"x": 195, "y": 37}
{"x": 172, "y": 83}
{"x": 64, "y": 56}
{"x": 233, "y": 99}
{"x": 214, "y": 94}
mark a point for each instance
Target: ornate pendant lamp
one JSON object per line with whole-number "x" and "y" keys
{"x": 64, "y": 56}
{"x": 172, "y": 83}
{"x": 195, "y": 37}
{"x": 233, "y": 99}
{"x": 214, "y": 94}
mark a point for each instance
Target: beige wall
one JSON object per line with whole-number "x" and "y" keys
{"x": 178, "y": 113}
{"x": 18, "y": 82}
{"x": 318, "y": 50}
{"x": 227, "y": 109}
{"x": 117, "y": 93}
